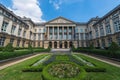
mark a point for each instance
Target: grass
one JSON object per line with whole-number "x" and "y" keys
{"x": 15, "y": 72}
{"x": 112, "y": 73}
{"x": 62, "y": 57}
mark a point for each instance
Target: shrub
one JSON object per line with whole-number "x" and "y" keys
{"x": 30, "y": 48}
{"x": 95, "y": 69}
{"x": 33, "y": 69}
{"x": 1, "y": 48}
{"x": 8, "y": 48}
{"x": 113, "y": 48}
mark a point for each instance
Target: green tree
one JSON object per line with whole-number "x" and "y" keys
{"x": 114, "y": 47}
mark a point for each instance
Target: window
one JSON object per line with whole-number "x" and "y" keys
{"x": 24, "y": 34}
{"x": 23, "y": 43}
{"x": 13, "y": 29}
{"x": 118, "y": 40}
{"x": 116, "y": 26}
{"x": 12, "y": 40}
{"x": 40, "y": 30}
{"x": 4, "y": 26}
{"x": 109, "y": 41}
{"x": 108, "y": 29}
{"x": 101, "y": 30}
{"x": 2, "y": 40}
{"x": 103, "y": 42}
{"x": 81, "y": 30}
{"x": 96, "y": 31}
{"x": 19, "y": 31}
{"x": 18, "y": 43}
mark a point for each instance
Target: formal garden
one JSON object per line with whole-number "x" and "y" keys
{"x": 56, "y": 66}
{"x": 61, "y": 66}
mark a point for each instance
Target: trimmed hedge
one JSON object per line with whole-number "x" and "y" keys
{"x": 33, "y": 69}
{"x": 95, "y": 69}
{"x": 47, "y": 76}
{"x": 6, "y": 55}
{"x": 102, "y": 52}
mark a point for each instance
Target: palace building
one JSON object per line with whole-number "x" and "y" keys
{"x": 59, "y": 32}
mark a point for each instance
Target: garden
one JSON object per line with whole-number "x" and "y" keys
{"x": 61, "y": 67}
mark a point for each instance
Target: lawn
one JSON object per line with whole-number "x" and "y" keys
{"x": 15, "y": 72}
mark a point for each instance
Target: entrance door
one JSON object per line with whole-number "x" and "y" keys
{"x": 65, "y": 44}
{"x": 60, "y": 44}
{"x": 55, "y": 44}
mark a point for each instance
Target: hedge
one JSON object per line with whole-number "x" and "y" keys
{"x": 6, "y": 55}
{"x": 47, "y": 76}
{"x": 102, "y": 52}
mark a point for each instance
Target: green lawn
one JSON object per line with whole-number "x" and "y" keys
{"x": 15, "y": 72}
{"x": 113, "y": 73}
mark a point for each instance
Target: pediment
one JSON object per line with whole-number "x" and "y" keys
{"x": 60, "y": 20}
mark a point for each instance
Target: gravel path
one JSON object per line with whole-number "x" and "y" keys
{"x": 7, "y": 64}
{"x": 111, "y": 62}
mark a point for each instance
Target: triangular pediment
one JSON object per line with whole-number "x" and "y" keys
{"x": 60, "y": 20}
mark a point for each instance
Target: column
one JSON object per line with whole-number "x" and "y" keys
{"x": 48, "y": 33}
{"x": 58, "y": 33}
{"x": 53, "y": 33}
{"x": 104, "y": 29}
{"x": 68, "y": 33}
{"x": 72, "y": 33}
{"x": 63, "y": 33}
{"x": 57, "y": 44}
{"x": 63, "y": 46}
{"x": 111, "y": 26}
{"x": 52, "y": 44}
{"x": 1, "y": 21}
{"x": 68, "y": 44}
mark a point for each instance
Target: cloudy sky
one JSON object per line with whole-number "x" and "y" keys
{"x": 45, "y": 10}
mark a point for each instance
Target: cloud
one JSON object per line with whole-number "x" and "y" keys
{"x": 28, "y": 8}
{"x": 58, "y": 3}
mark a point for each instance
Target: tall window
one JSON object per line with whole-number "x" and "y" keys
{"x": 118, "y": 40}
{"x": 13, "y": 29}
{"x": 109, "y": 41}
{"x": 24, "y": 34}
{"x": 38, "y": 36}
{"x": 2, "y": 40}
{"x": 117, "y": 26}
{"x": 4, "y": 26}
{"x": 12, "y": 40}
{"x": 96, "y": 31}
{"x": 18, "y": 43}
{"x": 19, "y": 31}
{"x": 103, "y": 42}
{"x": 23, "y": 43}
{"x": 108, "y": 29}
{"x": 101, "y": 30}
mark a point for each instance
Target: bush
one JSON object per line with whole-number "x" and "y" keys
{"x": 6, "y": 55}
{"x": 33, "y": 69}
{"x": 113, "y": 48}
{"x": 95, "y": 69}
{"x": 8, "y": 48}
{"x": 1, "y": 48}
{"x": 30, "y": 48}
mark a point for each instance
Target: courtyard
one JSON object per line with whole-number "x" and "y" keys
{"x": 61, "y": 66}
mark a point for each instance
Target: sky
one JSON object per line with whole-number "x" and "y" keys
{"x": 75, "y": 10}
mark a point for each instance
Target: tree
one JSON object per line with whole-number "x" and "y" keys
{"x": 30, "y": 48}
{"x": 114, "y": 47}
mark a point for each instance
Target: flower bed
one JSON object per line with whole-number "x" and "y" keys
{"x": 63, "y": 71}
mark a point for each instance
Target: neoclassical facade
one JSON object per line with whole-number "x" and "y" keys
{"x": 59, "y": 32}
